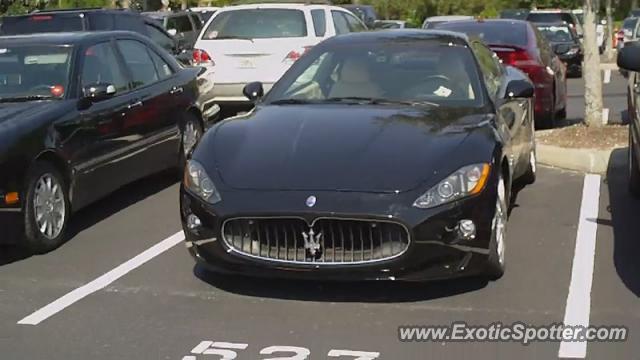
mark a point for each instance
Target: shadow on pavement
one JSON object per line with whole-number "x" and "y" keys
{"x": 100, "y": 210}
{"x": 366, "y": 291}
{"x": 625, "y": 215}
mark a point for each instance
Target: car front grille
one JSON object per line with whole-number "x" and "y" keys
{"x": 328, "y": 241}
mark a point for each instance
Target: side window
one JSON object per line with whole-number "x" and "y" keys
{"x": 162, "y": 68}
{"x": 160, "y": 38}
{"x": 490, "y": 67}
{"x": 197, "y": 21}
{"x": 340, "y": 22}
{"x": 354, "y": 23}
{"x": 181, "y": 23}
{"x": 139, "y": 63}
{"x": 319, "y": 22}
{"x": 101, "y": 66}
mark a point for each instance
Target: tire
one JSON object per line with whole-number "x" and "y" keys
{"x": 634, "y": 170}
{"x": 191, "y": 123}
{"x": 496, "y": 259}
{"x": 46, "y": 209}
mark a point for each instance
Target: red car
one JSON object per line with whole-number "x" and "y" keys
{"x": 521, "y": 45}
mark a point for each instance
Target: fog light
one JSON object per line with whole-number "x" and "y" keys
{"x": 193, "y": 222}
{"x": 467, "y": 229}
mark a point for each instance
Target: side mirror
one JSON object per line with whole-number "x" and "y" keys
{"x": 99, "y": 92}
{"x": 253, "y": 91}
{"x": 560, "y": 49}
{"x": 172, "y": 32}
{"x": 629, "y": 57}
{"x": 518, "y": 89}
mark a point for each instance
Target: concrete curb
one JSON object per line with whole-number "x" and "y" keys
{"x": 583, "y": 160}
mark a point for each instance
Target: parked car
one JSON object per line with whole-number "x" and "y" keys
{"x": 516, "y": 14}
{"x": 628, "y": 31}
{"x": 389, "y": 24}
{"x": 433, "y": 21}
{"x": 565, "y": 43}
{"x": 629, "y": 59}
{"x": 205, "y": 12}
{"x": 386, "y": 156}
{"x": 634, "y": 13}
{"x": 554, "y": 16}
{"x": 261, "y": 41}
{"x": 184, "y": 25}
{"x": 73, "y": 20}
{"x": 366, "y": 13}
{"x": 83, "y": 114}
{"x": 600, "y": 28}
{"x": 520, "y": 44}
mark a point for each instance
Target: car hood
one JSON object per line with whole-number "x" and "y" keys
{"x": 338, "y": 148}
{"x": 11, "y": 113}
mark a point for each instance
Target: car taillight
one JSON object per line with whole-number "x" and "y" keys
{"x": 523, "y": 61}
{"x": 296, "y": 54}
{"x": 201, "y": 57}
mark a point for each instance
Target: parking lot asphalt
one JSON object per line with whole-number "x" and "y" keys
{"x": 167, "y": 308}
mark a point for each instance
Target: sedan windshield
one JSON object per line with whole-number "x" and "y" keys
{"x": 403, "y": 72}
{"x": 257, "y": 24}
{"x": 492, "y": 33}
{"x": 34, "y": 71}
{"x": 557, "y": 33}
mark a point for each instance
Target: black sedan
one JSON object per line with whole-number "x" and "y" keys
{"x": 381, "y": 155}
{"x": 565, "y": 43}
{"x": 80, "y": 116}
{"x": 629, "y": 60}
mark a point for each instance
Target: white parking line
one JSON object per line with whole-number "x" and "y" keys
{"x": 578, "y": 307}
{"x": 101, "y": 282}
{"x": 607, "y": 76}
{"x": 605, "y": 116}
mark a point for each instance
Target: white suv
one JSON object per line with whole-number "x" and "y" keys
{"x": 259, "y": 42}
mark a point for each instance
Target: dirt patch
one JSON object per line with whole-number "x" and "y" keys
{"x": 582, "y": 137}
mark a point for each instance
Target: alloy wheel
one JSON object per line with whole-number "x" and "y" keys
{"x": 49, "y": 206}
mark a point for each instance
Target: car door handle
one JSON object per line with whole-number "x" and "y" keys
{"x": 135, "y": 105}
{"x": 176, "y": 90}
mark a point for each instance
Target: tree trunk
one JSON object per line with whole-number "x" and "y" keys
{"x": 185, "y": 4}
{"x": 608, "y": 37}
{"x": 125, "y": 4}
{"x": 634, "y": 4}
{"x": 592, "y": 73}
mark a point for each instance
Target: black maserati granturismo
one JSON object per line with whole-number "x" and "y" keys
{"x": 382, "y": 155}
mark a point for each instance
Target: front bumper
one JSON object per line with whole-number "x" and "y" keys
{"x": 231, "y": 93}
{"x": 434, "y": 252}
{"x": 11, "y": 225}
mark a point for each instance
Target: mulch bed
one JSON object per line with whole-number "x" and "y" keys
{"x": 583, "y": 137}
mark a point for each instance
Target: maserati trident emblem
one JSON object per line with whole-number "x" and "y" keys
{"x": 311, "y": 201}
{"x": 312, "y": 242}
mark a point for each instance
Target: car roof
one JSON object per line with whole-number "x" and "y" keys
{"x": 298, "y": 6}
{"x": 449, "y": 18}
{"x": 416, "y": 34}
{"x": 83, "y": 10}
{"x": 490, "y": 21}
{"x": 64, "y": 38}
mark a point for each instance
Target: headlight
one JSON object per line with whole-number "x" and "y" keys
{"x": 467, "y": 181}
{"x": 198, "y": 182}
{"x": 572, "y": 51}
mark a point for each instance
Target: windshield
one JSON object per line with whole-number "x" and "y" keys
{"x": 629, "y": 24}
{"x": 550, "y": 17}
{"x": 492, "y": 33}
{"x": 257, "y": 24}
{"x": 557, "y": 33}
{"x": 410, "y": 72}
{"x": 34, "y": 71}
{"x": 42, "y": 24}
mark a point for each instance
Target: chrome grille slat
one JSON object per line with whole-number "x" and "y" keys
{"x": 342, "y": 241}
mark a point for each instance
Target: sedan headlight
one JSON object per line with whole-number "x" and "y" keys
{"x": 467, "y": 181}
{"x": 199, "y": 183}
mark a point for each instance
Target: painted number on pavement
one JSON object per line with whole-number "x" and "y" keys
{"x": 216, "y": 350}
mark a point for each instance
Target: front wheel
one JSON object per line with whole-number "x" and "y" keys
{"x": 496, "y": 260}
{"x": 191, "y": 133}
{"x": 46, "y": 209}
{"x": 634, "y": 170}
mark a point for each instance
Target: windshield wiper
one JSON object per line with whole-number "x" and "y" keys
{"x": 380, "y": 101}
{"x": 232, "y": 37}
{"x": 25, "y": 98}
{"x": 290, "y": 102}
